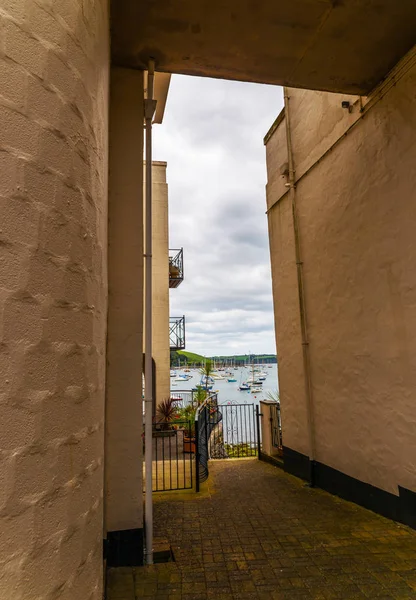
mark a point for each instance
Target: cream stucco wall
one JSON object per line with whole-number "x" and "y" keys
{"x": 124, "y": 406}
{"x": 356, "y": 182}
{"x": 287, "y": 326}
{"x": 160, "y": 281}
{"x": 54, "y": 68}
{"x": 285, "y": 295}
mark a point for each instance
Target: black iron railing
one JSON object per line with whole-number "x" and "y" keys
{"x": 276, "y": 425}
{"x": 175, "y": 267}
{"x": 207, "y": 418}
{"x": 173, "y": 456}
{"x": 177, "y": 333}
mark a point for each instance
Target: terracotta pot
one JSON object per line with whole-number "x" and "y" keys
{"x": 189, "y": 445}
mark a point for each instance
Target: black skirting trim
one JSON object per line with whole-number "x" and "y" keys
{"x": 400, "y": 508}
{"x": 357, "y": 491}
{"x": 297, "y": 464}
{"x": 124, "y": 548}
{"x": 273, "y": 460}
{"x": 408, "y": 506}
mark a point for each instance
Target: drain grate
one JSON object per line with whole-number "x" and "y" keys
{"x": 162, "y": 552}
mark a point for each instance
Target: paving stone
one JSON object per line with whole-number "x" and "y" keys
{"x": 257, "y": 533}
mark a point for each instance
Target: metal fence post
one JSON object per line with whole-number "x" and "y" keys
{"x": 197, "y": 454}
{"x": 258, "y": 430}
{"x": 206, "y": 410}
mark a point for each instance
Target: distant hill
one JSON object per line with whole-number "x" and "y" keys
{"x": 244, "y": 358}
{"x": 192, "y": 358}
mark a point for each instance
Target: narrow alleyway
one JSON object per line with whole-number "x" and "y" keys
{"x": 258, "y": 533}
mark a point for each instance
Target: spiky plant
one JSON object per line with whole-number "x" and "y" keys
{"x": 206, "y": 371}
{"x": 199, "y": 395}
{"x": 273, "y": 395}
{"x": 166, "y": 412}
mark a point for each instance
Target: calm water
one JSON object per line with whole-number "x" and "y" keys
{"x": 229, "y": 392}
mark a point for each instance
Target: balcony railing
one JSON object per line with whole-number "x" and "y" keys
{"x": 175, "y": 267}
{"x": 177, "y": 333}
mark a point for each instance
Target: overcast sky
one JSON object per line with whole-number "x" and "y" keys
{"x": 212, "y": 139}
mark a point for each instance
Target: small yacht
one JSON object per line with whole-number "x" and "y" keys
{"x": 256, "y": 389}
{"x": 254, "y": 381}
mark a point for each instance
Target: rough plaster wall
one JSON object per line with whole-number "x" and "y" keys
{"x": 277, "y": 165}
{"x": 285, "y": 299}
{"x": 287, "y": 326}
{"x": 357, "y": 215}
{"x": 53, "y": 153}
{"x": 317, "y": 121}
{"x": 160, "y": 253}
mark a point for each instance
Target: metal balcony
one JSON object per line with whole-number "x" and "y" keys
{"x": 177, "y": 333}
{"x": 175, "y": 267}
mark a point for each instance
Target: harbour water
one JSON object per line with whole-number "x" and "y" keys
{"x": 228, "y": 391}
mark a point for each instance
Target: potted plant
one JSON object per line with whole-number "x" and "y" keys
{"x": 188, "y": 417}
{"x": 188, "y": 414}
{"x": 166, "y": 413}
{"x": 189, "y": 443}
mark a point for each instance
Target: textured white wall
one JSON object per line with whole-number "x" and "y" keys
{"x": 53, "y": 205}
{"x": 357, "y": 215}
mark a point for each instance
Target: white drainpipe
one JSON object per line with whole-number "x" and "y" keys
{"x": 149, "y": 107}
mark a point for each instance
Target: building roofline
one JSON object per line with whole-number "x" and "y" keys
{"x": 275, "y": 125}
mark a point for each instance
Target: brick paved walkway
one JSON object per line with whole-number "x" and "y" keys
{"x": 258, "y": 533}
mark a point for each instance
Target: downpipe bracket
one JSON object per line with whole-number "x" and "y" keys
{"x": 149, "y": 108}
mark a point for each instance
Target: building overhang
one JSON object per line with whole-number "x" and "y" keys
{"x": 161, "y": 89}
{"x": 345, "y": 46}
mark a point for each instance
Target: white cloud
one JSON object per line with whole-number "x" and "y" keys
{"x": 212, "y": 140}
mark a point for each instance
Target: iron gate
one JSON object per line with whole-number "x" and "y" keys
{"x": 238, "y": 435}
{"x": 207, "y": 418}
{"x": 173, "y": 456}
{"x": 225, "y": 431}
{"x": 220, "y": 431}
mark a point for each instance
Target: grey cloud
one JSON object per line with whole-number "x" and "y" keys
{"x": 212, "y": 139}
